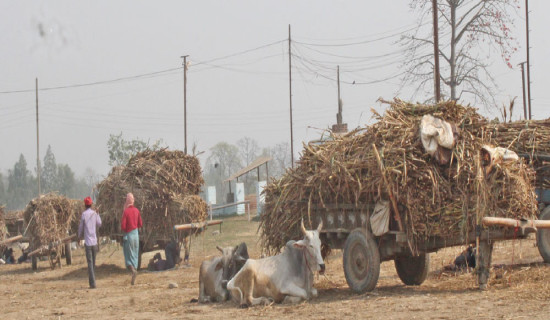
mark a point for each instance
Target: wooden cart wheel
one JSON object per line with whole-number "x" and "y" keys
{"x": 68, "y": 254}
{"x": 543, "y": 237}
{"x": 361, "y": 261}
{"x": 413, "y": 270}
{"x": 34, "y": 262}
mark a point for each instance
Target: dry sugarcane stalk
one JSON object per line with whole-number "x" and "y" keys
{"x": 346, "y": 171}
{"x": 161, "y": 182}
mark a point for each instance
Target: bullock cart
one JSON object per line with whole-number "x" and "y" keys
{"x": 48, "y": 230}
{"x": 348, "y": 227}
{"x": 419, "y": 179}
{"x": 165, "y": 185}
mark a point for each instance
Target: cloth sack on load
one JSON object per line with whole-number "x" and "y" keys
{"x": 435, "y": 135}
{"x": 492, "y": 156}
{"x": 380, "y": 218}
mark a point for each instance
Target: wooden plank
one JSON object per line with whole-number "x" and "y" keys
{"x": 190, "y": 226}
{"x": 51, "y": 245}
{"x": 12, "y": 239}
{"x": 507, "y": 222}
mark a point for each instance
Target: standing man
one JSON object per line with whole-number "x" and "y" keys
{"x": 131, "y": 221}
{"x": 89, "y": 222}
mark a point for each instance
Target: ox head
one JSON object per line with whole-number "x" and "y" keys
{"x": 311, "y": 244}
{"x": 233, "y": 259}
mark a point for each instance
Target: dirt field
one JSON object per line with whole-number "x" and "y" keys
{"x": 519, "y": 288}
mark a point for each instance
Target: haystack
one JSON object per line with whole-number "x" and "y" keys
{"x": 3, "y": 228}
{"x": 49, "y": 219}
{"x": 160, "y": 181}
{"x": 433, "y": 199}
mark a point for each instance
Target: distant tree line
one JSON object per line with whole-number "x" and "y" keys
{"x": 21, "y": 185}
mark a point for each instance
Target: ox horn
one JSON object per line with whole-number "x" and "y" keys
{"x": 304, "y": 231}
{"x": 320, "y": 226}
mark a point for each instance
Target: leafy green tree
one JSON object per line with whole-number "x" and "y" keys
{"x": 66, "y": 181}
{"x": 121, "y": 150}
{"x": 48, "y": 177}
{"x": 20, "y": 185}
{"x": 2, "y": 191}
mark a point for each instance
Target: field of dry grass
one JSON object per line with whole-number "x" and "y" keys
{"x": 519, "y": 288}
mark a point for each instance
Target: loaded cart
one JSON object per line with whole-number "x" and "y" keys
{"x": 48, "y": 229}
{"x": 349, "y": 228}
{"x": 421, "y": 178}
{"x": 165, "y": 185}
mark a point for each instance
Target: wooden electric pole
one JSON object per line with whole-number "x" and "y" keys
{"x": 185, "y": 102}
{"x": 339, "y": 127}
{"x": 522, "y": 65}
{"x": 290, "y": 95}
{"x": 528, "y": 60}
{"x": 37, "y": 141}
{"x": 437, "y": 85}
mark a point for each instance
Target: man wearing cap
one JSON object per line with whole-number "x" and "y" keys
{"x": 89, "y": 222}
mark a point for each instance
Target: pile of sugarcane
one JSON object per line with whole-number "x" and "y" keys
{"x": 49, "y": 219}
{"x": 525, "y": 137}
{"x": 434, "y": 199}
{"x": 160, "y": 181}
{"x": 3, "y": 228}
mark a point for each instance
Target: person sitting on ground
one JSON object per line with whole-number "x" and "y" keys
{"x": 172, "y": 253}
{"x": 24, "y": 257}
{"x": 8, "y": 256}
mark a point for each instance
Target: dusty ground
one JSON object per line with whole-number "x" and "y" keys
{"x": 519, "y": 288}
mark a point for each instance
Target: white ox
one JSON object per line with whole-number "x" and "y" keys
{"x": 286, "y": 277}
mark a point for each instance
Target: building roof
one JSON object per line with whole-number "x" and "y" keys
{"x": 256, "y": 163}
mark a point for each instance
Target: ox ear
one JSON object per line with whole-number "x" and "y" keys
{"x": 219, "y": 266}
{"x": 240, "y": 258}
{"x": 303, "y": 228}
{"x": 320, "y": 226}
{"x": 299, "y": 244}
{"x": 219, "y": 248}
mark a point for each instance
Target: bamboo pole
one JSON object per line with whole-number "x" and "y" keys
{"x": 53, "y": 244}
{"x": 12, "y": 239}
{"x": 189, "y": 226}
{"x": 507, "y": 222}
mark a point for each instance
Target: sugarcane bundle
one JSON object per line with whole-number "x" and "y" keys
{"x": 159, "y": 180}
{"x": 435, "y": 199}
{"x": 3, "y": 228}
{"x": 530, "y": 137}
{"x": 49, "y": 219}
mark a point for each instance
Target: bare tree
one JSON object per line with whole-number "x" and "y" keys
{"x": 470, "y": 32}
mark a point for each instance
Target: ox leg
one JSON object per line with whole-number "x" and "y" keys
{"x": 294, "y": 293}
{"x": 202, "y": 297}
{"x": 483, "y": 263}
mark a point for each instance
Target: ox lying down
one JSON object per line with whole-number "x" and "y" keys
{"x": 214, "y": 273}
{"x": 286, "y": 277}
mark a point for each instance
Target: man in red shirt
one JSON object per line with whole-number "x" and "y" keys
{"x": 131, "y": 221}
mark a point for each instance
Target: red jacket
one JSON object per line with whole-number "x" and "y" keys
{"x": 131, "y": 219}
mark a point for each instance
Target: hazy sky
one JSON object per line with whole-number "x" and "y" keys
{"x": 126, "y": 54}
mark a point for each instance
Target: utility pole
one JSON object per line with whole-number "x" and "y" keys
{"x": 37, "y": 141}
{"x": 185, "y": 101}
{"x": 290, "y": 94}
{"x": 528, "y": 60}
{"x": 522, "y": 65}
{"x": 339, "y": 115}
{"x": 339, "y": 127}
{"x": 437, "y": 85}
